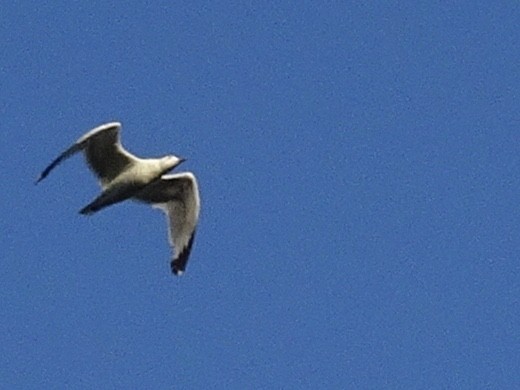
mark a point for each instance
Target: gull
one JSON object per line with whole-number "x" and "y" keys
{"x": 123, "y": 176}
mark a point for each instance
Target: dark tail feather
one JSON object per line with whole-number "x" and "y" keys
{"x": 88, "y": 210}
{"x": 98, "y": 204}
{"x": 108, "y": 198}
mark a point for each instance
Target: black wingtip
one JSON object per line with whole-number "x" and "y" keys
{"x": 177, "y": 272}
{"x": 178, "y": 265}
{"x": 45, "y": 173}
{"x": 40, "y": 178}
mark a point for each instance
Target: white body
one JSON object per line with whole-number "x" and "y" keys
{"x": 124, "y": 176}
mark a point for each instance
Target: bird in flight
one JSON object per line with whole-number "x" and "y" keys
{"x": 124, "y": 176}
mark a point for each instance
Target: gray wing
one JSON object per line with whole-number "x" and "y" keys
{"x": 178, "y": 196}
{"x": 103, "y": 151}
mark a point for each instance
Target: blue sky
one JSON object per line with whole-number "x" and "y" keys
{"x": 358, "y": 167}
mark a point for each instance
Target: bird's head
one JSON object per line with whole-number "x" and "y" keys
{"x": 169, "y": 162}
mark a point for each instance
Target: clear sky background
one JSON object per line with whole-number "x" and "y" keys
{"x": 358, "y": 167}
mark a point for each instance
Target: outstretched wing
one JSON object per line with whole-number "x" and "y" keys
{"x": 62, "y": 157}
{"x": 103, "y": 151}
{"x": 178, "y": 196}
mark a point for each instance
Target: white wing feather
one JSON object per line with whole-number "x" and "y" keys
{"x": 178, "y": 196}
